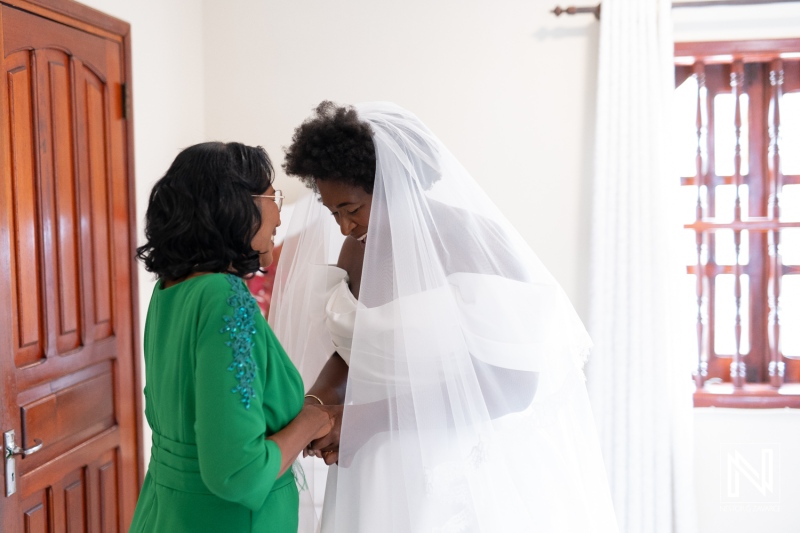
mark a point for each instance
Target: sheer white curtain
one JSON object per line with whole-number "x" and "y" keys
{"x": 638, "y": 379}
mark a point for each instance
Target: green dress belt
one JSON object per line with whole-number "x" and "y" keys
{"x": 175, "y": 465}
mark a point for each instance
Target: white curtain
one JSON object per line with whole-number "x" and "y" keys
{"x": 638, "y": 377}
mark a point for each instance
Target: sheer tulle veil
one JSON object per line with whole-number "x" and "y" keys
{"x": 466, "y": 408}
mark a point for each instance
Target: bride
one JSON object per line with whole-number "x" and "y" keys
{"x": 449, "y": 357}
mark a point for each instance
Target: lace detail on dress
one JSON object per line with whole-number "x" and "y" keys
{"x": 457, "y": 524}
{"x": 241, "y": 327}
{"x": 478, "y": 455}
{"x": 448, "y": 484}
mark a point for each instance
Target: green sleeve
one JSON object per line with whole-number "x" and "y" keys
{"x": 237, "y": 463}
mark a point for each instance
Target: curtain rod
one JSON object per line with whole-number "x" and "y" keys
{"x": 595, "y": 10}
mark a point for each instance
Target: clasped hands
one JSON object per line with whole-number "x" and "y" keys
{"x": 364, "y": 422}
{"x": 326, "y": 443}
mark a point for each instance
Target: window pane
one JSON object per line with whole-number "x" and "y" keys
{"x": 684, "y": 145}
{"x": 790, "y": 315}
{"x": 689, "y": 308}
{"x": 790, "y": 133}
{"x": 688, "y": 200}
{"x": 725, "y": 315}
{"x": 725, "y": 134}
{"x": 790, "y": 246}
{"x": 724, "y": 201}
{"x": 790, "y": 203}
{"x": 725, "y": 251}
{"x": 689, "y": 248}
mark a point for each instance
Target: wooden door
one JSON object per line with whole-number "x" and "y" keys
{"x": 67, "y": 278}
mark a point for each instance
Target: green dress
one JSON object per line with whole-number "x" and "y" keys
{"x": 218, "y": 383}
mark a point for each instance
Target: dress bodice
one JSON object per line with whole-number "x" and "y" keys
{"x": 471, "y": 297}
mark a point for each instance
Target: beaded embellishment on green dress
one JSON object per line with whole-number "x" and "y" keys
{"x": 241, "y": 328}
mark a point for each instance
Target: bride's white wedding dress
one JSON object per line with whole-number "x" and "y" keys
{"x": 443, "y": 490}
{"x": 466, "y": 409}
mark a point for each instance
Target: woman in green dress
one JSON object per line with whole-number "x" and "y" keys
{"x": 223, "y": 400}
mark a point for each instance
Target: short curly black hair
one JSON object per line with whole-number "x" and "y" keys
{"x": 201, "y": 216}
{"x": 333, "y": 145}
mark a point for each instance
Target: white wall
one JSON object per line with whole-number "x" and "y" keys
{"x": 168, "y": 98}
{"x": 508, "y": 87}
{"x": 503, "y": 84}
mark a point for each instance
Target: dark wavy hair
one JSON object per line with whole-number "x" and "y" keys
{"x": 201, "y": 216}
{"x": 334, "y": 145}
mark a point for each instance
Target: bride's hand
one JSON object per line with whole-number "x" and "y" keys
{"x": 363, "y": 423}
{"x": 327, "y": 446}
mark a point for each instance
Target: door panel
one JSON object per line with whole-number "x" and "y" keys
{"x": 24, "y": 225}
{"x": 72, "y": 507}
{"x": 55, "y": 100}
{"x": 36, "y": 516}
{"x": 70, "y": 416}
{"x": 92, "y": 92}
{"x": 66, "y": 220}
{"x": 107, "y": 477}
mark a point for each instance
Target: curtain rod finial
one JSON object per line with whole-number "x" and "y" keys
{"x": 572, "y": 10}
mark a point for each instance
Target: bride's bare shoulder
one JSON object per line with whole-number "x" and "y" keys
{"x": 351, "y": 257}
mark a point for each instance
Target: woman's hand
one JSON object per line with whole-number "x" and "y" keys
{"x": 321, "y": 417}
{"x": 327, "y": 446}
{"x": 311, "y": 424}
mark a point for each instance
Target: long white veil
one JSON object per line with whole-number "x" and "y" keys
{"x": 466, "y": 408}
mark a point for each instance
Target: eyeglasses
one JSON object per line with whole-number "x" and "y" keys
{"x": 278, "y": 197}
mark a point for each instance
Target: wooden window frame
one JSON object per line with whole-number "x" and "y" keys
{"x": 763, "y": 378}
